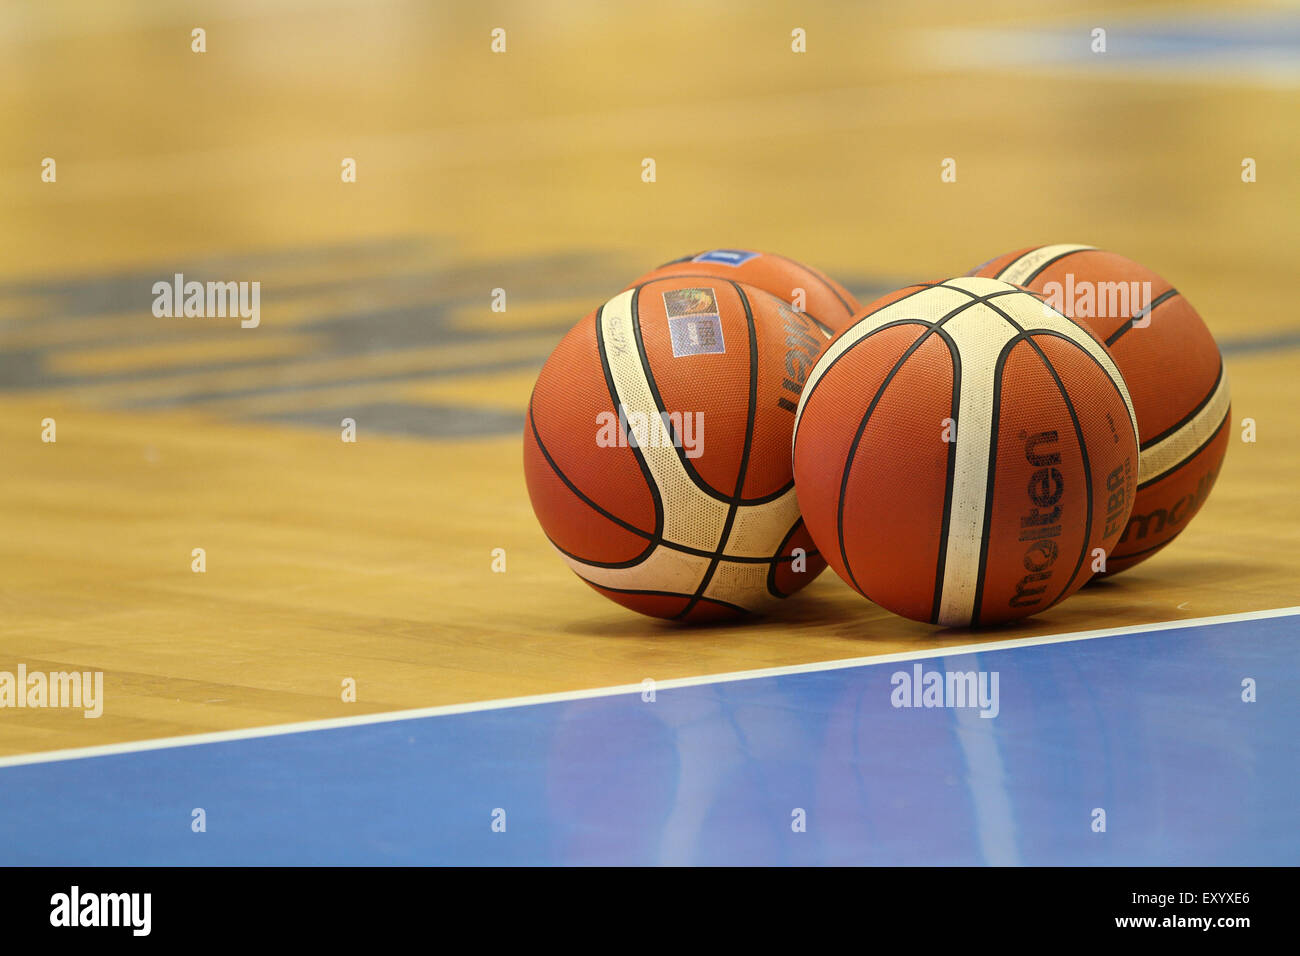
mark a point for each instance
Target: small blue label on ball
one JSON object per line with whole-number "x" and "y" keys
{"x": 727, "y": 257}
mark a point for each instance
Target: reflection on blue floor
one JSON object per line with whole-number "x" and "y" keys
{"x": 1149, "y": 727}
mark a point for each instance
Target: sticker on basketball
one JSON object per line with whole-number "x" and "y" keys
{"x": 802, "y": 287}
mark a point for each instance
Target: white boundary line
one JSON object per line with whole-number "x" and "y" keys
{"x": 276, "y": 730}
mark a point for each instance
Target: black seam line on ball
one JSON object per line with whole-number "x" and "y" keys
{"x": 1078, "y": 431}
{"x": 653, "y": 539}
{"x": 1144, "y": 550}
{"x": 980, "y": 297}
{"x": 1087, "y": 463}
{"x": 677, "y": 262}
{"x": 819, "y": 276}
{"x": 765, "y": 499}
{"x": 1128, "y": 324}
{"x": 1191, "y": 457}
{"x": 1039, "y": 271}
{"x": 1155, "y": 547}
{"x": 1087, "y": 472}
{"x": 866, "y": 417}
{"x": 744, "y": 457}
{"x": 737, "y": 499}
{"x": 975, "y": 298}
{"x": 990, "y": 477}
{"x": 672, "y": 546}
{"x": 657, "y": 398}
{"x": 822, "y": 377}
{"x": 618, "y": 407}
{"x": 778, "y": 559}
{"x": 826, "y": 330}
{"x": 672, "y": 594}
{"x": 713, "y": 278}
{"x": 1087, "y": 469}
{"x": 678, "y": 448}
{"x": 917, "y": 288}
{"x": 771, "y": 571}
{"x": 825, "y": 327}
{"x": 1186, "y": 419}
{"x": 920, "y": 287}
{"x": 945, "y": 521}
{"x": 1126, "y": 403}
{"x": 995, "y": 428}
{"x": 786, "y": 559}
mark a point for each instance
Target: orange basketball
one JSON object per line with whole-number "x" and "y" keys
{"x": 827, "y": 302}
{"x": 1173, "y": 369}
{"x": 962, "y": 451}
{"x": 657, "y": 448}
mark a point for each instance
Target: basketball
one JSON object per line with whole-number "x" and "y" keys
{"x": 1173, "y": 369}
{"x": 657, "y": 448}
{"x": 802, "y": 287}
{"x": 964, "y": 454}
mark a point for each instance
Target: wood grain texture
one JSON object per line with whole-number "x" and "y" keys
{"x": 372, "y": 560}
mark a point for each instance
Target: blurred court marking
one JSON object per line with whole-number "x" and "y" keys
{"x": 1258, "y": 48}
{"x": 77, "y": 753}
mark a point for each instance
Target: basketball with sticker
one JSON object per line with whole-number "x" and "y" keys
{"x": 807, "y": 290}
{"x": 657, "y": 449}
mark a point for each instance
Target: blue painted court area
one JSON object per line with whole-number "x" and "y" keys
{"x": 1149, "y": 727}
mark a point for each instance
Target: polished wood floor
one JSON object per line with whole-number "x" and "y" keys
{"x": 372, "y": 561}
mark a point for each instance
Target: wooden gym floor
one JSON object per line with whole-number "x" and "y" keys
{"x": 372, "y": 561}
